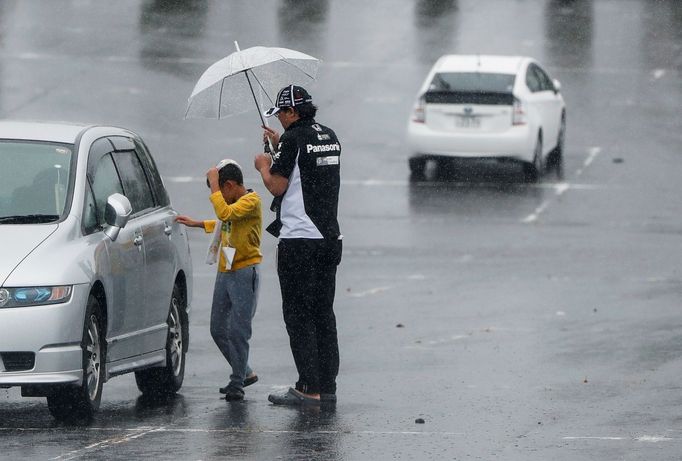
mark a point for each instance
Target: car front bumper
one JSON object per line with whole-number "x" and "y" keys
{"x": 53, "y": 333}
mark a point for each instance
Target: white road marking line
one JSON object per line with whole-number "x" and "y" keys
{"x": 562, "y": 188}
{"x": 592, "y": 154}
{"x": 437, "y": 342}
{"x": 370, "y": 292}
{"x": 643, "y": 438}
{"x": 595, "y": 438}
{"x": 132, "y": 435}
{"x": 183, "y": 179}
{"x": 594, "y": 151}
{"x": 653, "y": 439}
{"x": 559, "y": 189}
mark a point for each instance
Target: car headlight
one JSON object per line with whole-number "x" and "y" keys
{"x": 34, "y": 296}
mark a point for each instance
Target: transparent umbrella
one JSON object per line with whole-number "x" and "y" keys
{"x": 230, "y": 85}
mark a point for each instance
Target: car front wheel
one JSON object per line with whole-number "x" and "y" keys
{"x": 82, "y": 402}
{"x": 168, "y": 379}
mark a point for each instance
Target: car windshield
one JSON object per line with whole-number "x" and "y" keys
{"x": 472, "y": 82}
{"x": 33, "y": 181}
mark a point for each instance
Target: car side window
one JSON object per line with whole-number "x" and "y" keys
{"x": 153, "y": 175}
{"x": 546, "y": 82}
{"x": 105, "y": 182}
{"x": 532, "y": 80}
{"x": 135, "y": 182}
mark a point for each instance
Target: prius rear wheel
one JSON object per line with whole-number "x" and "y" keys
{"x": 417, "y": 168}
{"x": 555, "y": 160}
{"x": 533, "y": 171}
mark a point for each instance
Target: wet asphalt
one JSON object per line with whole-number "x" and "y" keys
{"x": 518, "y": 321}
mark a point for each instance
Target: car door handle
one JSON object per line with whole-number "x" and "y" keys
{"x": 168, "y": 230}
{"x": 137, "y": 241}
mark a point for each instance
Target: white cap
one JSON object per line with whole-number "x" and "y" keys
{"x": 227, "y": 161}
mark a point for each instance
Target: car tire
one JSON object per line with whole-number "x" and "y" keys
{"x": 160, "y": 381}
{"x": 417, "y": 167}
{"x": 82, "y": 402}
{"x": 534, "y": 170}
{"x": 556, "y": 157}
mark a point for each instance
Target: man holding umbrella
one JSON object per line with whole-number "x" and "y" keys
{"x": 303, "y": 175}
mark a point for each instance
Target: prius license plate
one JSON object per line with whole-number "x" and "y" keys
{"x": 467, "y": 122}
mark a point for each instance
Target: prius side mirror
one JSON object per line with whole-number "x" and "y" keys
{"x": 557, "y": 86}
{"x": 116, "y": 214}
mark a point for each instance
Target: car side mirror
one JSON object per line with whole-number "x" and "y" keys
{"x": 116, "y": 214}
{"x": 557, "y": 86}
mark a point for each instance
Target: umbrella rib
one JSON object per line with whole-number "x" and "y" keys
{"x": 246, "y": 74}
{"x": 299, "y": 69}
{"x": 260, "y": 85}
{"x": 220, "y": 98}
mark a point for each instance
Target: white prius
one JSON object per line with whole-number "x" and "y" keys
{"x": 488, "y": 107}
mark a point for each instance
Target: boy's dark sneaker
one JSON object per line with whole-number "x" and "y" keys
{"x": 232, "y": 394}
{"x": 249, "y": 380}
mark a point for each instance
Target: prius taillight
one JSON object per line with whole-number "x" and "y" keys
{"x": 418, "y": 113}
{"x": 519, "y": 116}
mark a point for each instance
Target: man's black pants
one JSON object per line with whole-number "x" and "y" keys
{"x": 307, "y": 278}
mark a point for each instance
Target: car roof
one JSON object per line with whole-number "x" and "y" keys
{"x": 480, "y": 63}
{"x": 41, "y": 131}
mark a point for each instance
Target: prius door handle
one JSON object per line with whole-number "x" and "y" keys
{"x": 168, "y": 230}
{"x": 137, "y": 241}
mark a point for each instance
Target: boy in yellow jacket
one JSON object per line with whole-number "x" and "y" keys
{"x": 236, "y": 248}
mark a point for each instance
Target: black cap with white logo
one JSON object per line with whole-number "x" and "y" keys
{"x": 289, "y": 96}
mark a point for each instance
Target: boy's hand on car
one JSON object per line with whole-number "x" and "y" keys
{"x": 189, "y": 222}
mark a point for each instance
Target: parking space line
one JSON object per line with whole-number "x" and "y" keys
{"x": 562, "y": 188}
{"x": 592, "y": 154}
{"x": 370, "y": 292}
{"x": 135, "y": 434}
{"x": 642, "y": 438}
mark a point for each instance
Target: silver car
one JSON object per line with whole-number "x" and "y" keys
{"x": 95, "y": 274}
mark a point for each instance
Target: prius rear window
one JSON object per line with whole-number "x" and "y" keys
{"x": 472, "y": 82}
{"x": 471, "y": 88}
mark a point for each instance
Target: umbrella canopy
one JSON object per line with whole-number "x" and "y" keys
{"x": 230, "y": 85}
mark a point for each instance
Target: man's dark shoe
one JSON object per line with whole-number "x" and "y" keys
{"x": 293, "y": 398}
{"x": 233, "y": 394}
